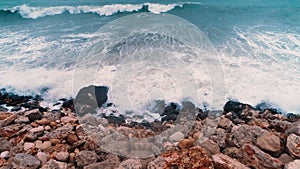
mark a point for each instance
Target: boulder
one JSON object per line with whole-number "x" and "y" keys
{"x": 269, "y": 142}
{"x": 293, "y": 145}
{"x": 253, "y": 157}
{"x": 25, "y": 161}
{"x": 222, "y": 161}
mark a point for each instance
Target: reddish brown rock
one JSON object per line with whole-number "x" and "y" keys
{"x": 210, "y": 146}
{"x": 4, "y": 115}
{"x": 130, "y": 164}
{"x": 285, "y": 158}
{"x": 72, "y": 138}
{"x": 222, "y": 161}
{"x": 252, "y": 156}
{"x": 195, "y": 157}
{"x": 43, "y": 121}
{"x": 231, "y": 152}
{"x": 269, "y": 142}
{"x": 51, "y": 164}
{"x": 85, "y": 157}
{"x": 186, "y": 143}
{"x": 8, "y": 120}
{"x": 225, "y": 123}
{"x": 293, "y": 145}
{"x": 158, "y": 163}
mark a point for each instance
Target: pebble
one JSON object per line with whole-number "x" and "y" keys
{"x": 43, "y": 157}
{"x": 28, "y": 145}
{"x": 5, "y": 154}
{"x": 62, "y": 156}
{"x": 177, "y": 136}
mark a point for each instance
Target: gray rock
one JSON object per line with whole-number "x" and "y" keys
{"x": 176, "y": 136}
{"x": 158, "y": 163}
{"x": 85, "y": 157}
{"x": 4, "y": 145}
{"x": 25, "y": 161}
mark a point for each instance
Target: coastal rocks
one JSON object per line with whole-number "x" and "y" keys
{"x": 210, "y": 146}
{"x": 8, "y": 120}
{"x": 25, "y": 161}
{"x": 34, "y": 115}
{"x": 89, "y": 98}
{"x": 195, "y": 157}
{"x": 269, "y": 142}
{"x": 252, "y": 156}
{"x": 186, "y": 143}
{"x": 222, "y": 161}
{"x": 54, "y": 164}
{"x": 177, "y": 136}
{"x": 293, "y": 145}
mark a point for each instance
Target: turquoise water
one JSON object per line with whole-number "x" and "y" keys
{"x": 257, "y": 42}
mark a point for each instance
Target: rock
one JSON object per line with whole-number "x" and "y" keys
{"x": 231, "y": 151}
{"x": 232, "y": 106}
{"x": 225, "y": 123}
{"x": 171, "y": 109}
{"x": 293, "y": 165}
{"x": 171, "y": 117}
{"x": 102, "y": 165}
{"x": 210, "y": 146}
{"x": 61, "y": 132}
{"x": 43, "y": 121}
{"x": 158, "y": 163}
{"x": 89, "y": 98}
{"x": 252, "y": 156}
{"x": 130, "y": 164}
{"x": 85, "y": 157}
{"x": 269, "y": 142}
{"x": 176, "y": 136}
{"x": 8, "y": 120}
{"x": 219, "y": 137}
{"x": 51, "y": 164}
{"x": 16, "y": 108}
{"x": 28, "y": 145}
{"x": 62, "y": 156}
{"x": 293, "y": 145}
{"x": 22, "y": 119}
{"x": 72, "y": 138}
{"x": 67, "y": 119}
{"x": 38, "y": 129}
{"x": 43, "y": 157}
{"x": 4, "y": 115}
{"x": 4, "y": 145}
{"x": 222, "y": 161}
{"x": 34, "y": 115}
{"x": 5, "y": 154}
{"x": 194, "y": 157}
{"x": 2, "y": 162}
{"x": 115, "y": 120}
{"x": 186, "y": 143}
{"x": 25, "y": 161}
{"x": 44, "y": 146}
{"x": 68, "y": 103}
{"x": 285, "y": 158}
{"x": 293, "y": 129}
{"x": 55, "y": 141}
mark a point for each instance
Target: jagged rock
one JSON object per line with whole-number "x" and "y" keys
{"x": 222, "y": 161}
{"x": 219, "y": 137}
{"x": 195, "y": 157}
{"x": 252, "y": 156}
{"x": 293, "y": 129}
{"x": 25, "y": 161}
{"x": 51, "y": 164}
{"x": 8, "y": 120}
{"x": 130, "y": 164}
{"x": 210, "y": 146}
{"x": 231, "y": 152}
{"x": 269, "y": 142}
{"x": 85, "y": 157}
{"x": 293, "y": 145}
{"x": 225, "y": 122}
{"x": 293, "y": 165}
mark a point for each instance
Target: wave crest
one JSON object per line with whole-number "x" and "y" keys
{"x": 105, "y": 10}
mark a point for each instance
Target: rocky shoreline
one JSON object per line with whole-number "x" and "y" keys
{"x": 32, "y": 137}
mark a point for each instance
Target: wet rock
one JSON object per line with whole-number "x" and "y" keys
{"x": 232, "y": 106}
{"x": 176, "y": 136}
{"x": 85, "y": 157}
{"x": 4, "y": 145}
{"x": 194, "y": 157}
{"x": 171, "y": 117}
{"x": 269, "y": 142}
{"x": 89, "y": 98}
{"x": 222, "y": 161}
{"x": 68, "y": 103}
{"x": 291, "y": 117}
{"x": 51, "y": 164}
{"x": 158, "y": 163}
{"x": 3, "y": 109}
{"x": 293, "y": 165}
{"x": 293, "y": 145}
{"x": 115, "y": 120}
{"x": 34, "y": 115}
{"x": 130, "y": 164}
{"x": 25, "y": 161}
{"x": 171, "y": 109}
{"x": 252, "y": 156}
{"x": 8, "y": 120}
{"x": 62, "y": 156}
{"x": 16, "y": 108}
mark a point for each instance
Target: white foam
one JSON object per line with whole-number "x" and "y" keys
{"x": 105, "y": 10}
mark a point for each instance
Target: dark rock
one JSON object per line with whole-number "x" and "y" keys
{"x": 42, "y": 109}
{"x": 89, "y": 98}
{"x": 3, "y": 109}
{"x": 68, "y": 104}
{"x": 202, "y": 115}
{"x": 170, "y": 117}
{"x": 16, "y": 108}
{"x": 34, "y": 115}
{"x": 292, "y": 117}
{"x": 232, "y": 106}
{"x": 171, "y": 109}
{"x": 115, "y": 120}
{"x": 267, "y": 106}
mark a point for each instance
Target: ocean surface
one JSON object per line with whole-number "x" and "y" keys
{"x": 256, "y": 42}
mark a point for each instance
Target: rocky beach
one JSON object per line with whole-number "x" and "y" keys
{"x": 244, "y": 137}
